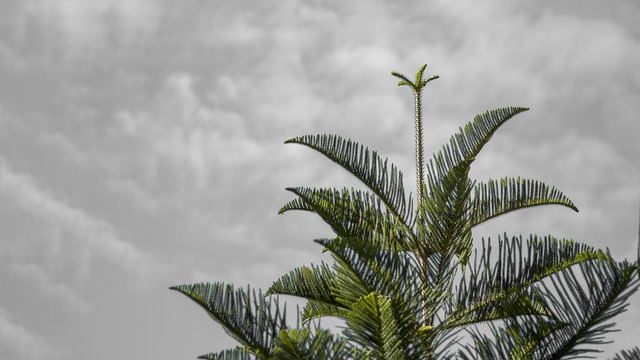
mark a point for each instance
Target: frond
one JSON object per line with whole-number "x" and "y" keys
{"x": 384, "y": 180}
{"x": 467, "y": 143}
{"x": 519, "y": 338}
{"x": 314, "y": 309}
{"x": 296, "y": 344}
{"x": 372, "y": 325}
{"x": 238, "y": 353}
{"x": 500, "y": 306}
{"x": 496, "y": 198}
{"x": 443, "y": 224}
{"x": 633, "y": 354}
{"x": 491, "y": 288}
{"x": 251, "y": 320}
{"x": 587, "y": 304}
{"x": 352, "y": 214}
{"x": 443, "y": 234}
{"x": 362, "y": 269}
{"x": 314, "y": 284}
{"x": 306, "y": 282}
{"x": 437, "y": 289}
{"x": 352, "y": 279}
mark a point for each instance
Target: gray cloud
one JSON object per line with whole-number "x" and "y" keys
{"x": 91, "y": 231}
{"x": 144, "y": 139}
{"x": 23, "y": 342}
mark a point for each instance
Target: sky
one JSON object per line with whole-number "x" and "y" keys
{"x": 141, "y": 144}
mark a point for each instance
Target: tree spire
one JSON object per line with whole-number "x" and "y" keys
{"x": 417, "y": 86}
{"x": 417, "y": 93}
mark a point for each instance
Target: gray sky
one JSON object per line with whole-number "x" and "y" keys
{"x": 141, "y": 144}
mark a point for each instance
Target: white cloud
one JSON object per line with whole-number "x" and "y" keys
{"x": 240, "y": 30}
{"x": 204, "y": 93}
{"x": 57, "y": 141}
{"x": 88, "y": 27}
{"x": 49, "y": 287}
{"x": 179, "y": 129}
{"x": 24, "y": 342}
{"x": 91, "y": 231}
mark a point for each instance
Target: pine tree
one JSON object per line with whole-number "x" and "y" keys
{"x": 410, "y": 281}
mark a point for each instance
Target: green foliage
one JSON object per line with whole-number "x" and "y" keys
{"x": 253, "y": 320}
{"x": 410, "y": 282}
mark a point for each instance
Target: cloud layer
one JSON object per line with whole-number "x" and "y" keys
{"x": 141, "y": 143}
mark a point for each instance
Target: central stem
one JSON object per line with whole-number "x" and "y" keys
{"x": 419, "y": 147}
{"x": 421, "y": 254}
{"x": 426, "y": 321}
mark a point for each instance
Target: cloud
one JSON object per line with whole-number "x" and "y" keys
{"x": 48, "y": 286}
{"x": 87, "y": 27}
{"x": 23, "y": 342}
{"x": 58, "y": 142}
{"x": 91, "y": 231}
{"x": 178, "y": 129}
{"x": 164, "y": 122}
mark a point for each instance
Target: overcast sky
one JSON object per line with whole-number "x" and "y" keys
{"x": 141, "y": 144}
